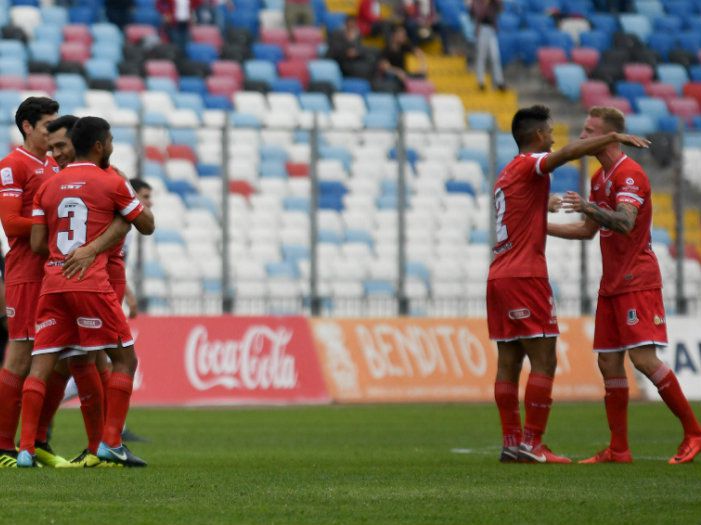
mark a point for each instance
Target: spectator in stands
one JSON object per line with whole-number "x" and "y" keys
{"x": 371, "y": 21}
{"x": 298, "y": 13}
{"x": 177, "y": 15}
{"x": 485, "y": 14}
{"x": 345, "y": 47}
{"x": 421, "y": 23}
{"x": 214, "y": 12}
{"x": 118, "y": 11}
{"x": 392, "y": 70}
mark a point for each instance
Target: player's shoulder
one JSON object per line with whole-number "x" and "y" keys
{"x": 630, "y": 169}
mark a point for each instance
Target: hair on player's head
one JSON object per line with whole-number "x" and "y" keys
{"x": 86, "y": 132}
{"x": 611, "y": 117}
{"x": 139, "y": 184}
{"x": 526, "y": 122}
{"x": 32, "y": 109}
{"x": 63, "y": 122}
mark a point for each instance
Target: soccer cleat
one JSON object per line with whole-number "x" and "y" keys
{"x": 46, "y": 456}
{"x": 26, "y": 460}
{"x": 120, "y": 455}
{"x": 687, "y": 451}
{"x": 539, "y": 453}
{"x": 8, "y": 458}
{"x": 509, "y": 455}
{"x": 609, "y": 456}
{"x": 83, "y": 460}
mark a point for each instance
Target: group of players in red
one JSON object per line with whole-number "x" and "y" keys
{"x": 65, "y": 282}
{"x": 630, "y": 316}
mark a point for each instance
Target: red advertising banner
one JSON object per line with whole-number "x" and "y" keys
{"x": 226, "y": 361}
{"x": 404, "y": 360}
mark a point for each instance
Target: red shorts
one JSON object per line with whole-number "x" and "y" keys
{"x": 630, "y": 320}
{"x": 520, "y": 308}
{"x": 80, "y": 320}
{"x": 119, "y": 287}
{"x": 21, "y": 300}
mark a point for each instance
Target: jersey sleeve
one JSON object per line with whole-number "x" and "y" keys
{"x": 38, "y": 213}
{"x": 125, "y": 200}
{"x": 12, "y": 178}
{"x": 632, "y": 187}
{"x": 538, "y": 166}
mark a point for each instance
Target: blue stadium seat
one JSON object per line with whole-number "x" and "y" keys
{"x": 81, "y": 15}
{"x": 128, "y": 100}
{"x": 413, "y": 102}
{"x": 13, "y": 67}
{"x": 296, "y": 204}
{"x": 564, "y": 179}
{"x": 649, "y": 8}
{"x": 381, "y": 102}
{"x": 323, "y": 70}
{"x": 168, "y": 236}
{"x": 195, "y": 201}
{"x": 653, "y": 107}
{"x": 212, "y": 286}
{"x": 667, "y": 24}
{"x": 569, "y": 79}
{"x": 334, "y": 21}
{"x": 244, "y": 120}
{"x": 508, "y": 46}
{"x": 208, "y": 170}
{"x": 329, "y": 236}
{"x": 317, "y": 102}
{"x": 357, "y": 235}
{"x": 509, "y": 21}
{"x": 13, "y": 49}
{"x": 459, "y": 186}
{"x": 123, "y": 134}
{"x": 635, "y": 24}
{"x": 641, "y": 124}
{"x": 70, "y": 82}
{"x": 181, "y": 187}
{"x": 270, "y": 52}
{"x": 284, "y": 270}
{"x": 539, "y": 22}
{"x": 689, "y": 41}
{"x": 187, "y": 136}
{"x": 479, "y": 236}
{"x": 679, "y": 8}
{"x": 660, "y": 236}
{"x": 69, "y": 100}
{"x": 577, "y": 8}
{"x": 630, "y": 91}
{"x": 662, "y": 43}
{"x": 244, "y": 19}
{"x": 217, "y": 102}
{"x": 287, "y": 85}
{"x": 604, "y": 22}
{"x": 480, "y": 157}
{"x": 154, "y": 270}
{"x": 9, "y": 100}
{"x": 380, "y": 120}
{"x": 200, "y": 52}
{"x": 674, "y": 74}
{"x": 561, "y": 40}
{"x": 107, "y": 50}
{"x": 359, "y": 86}
{"x": 375, "y": 288}
{"x": 272, "y": 152}
{"x": 49, "y": 33}
{"x": 97, "y": 68}
{"x": 669, "y": 124}
{"x": 695, "y": 73}
{"x": 193, "y": 85}
{"x": 260, "y": 70}
{"x": 272, "y": 168}
{"x": 54, "y": 15}
{"x": 596, "y": 39}
{"x": 191, "y": 101}
{"x": 105, "y": 32}
{"x": 295, "y": 252}
{"x": 338, "y": 153}
{"x": 45, "y": 51}
{"x": 481, "y": 121}
{"x": 153, "y": 169}
{"x": 332, "y": 187}
{"x": 155, "y": 118}
{"x": 162, "y": 84}
{"x": 528, "y": 42}
{"x": 146, "y": 16}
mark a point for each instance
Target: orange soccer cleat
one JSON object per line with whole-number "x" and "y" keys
{"x": 539, "y": 453}
{"x": 687, "y": 451}
{"x": 609, "y": 456}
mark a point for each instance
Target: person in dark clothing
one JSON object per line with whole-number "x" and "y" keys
{"x": 118, "y": 11}
{"x": 392, "y": 68}
{"x": 345, "y": 47}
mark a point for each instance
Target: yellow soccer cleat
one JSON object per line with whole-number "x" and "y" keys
{"x": 8, "y": 459}
{"x": 86, "y": 459}
{"x": 46, "y": 457}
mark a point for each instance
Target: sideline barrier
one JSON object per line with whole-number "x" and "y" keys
{"x": 226, "y": 361}
{"x": 403, "y": 360}
{"x": 683, "y": 355}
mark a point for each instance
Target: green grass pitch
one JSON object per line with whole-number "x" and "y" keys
{"x": 409, "y": 464}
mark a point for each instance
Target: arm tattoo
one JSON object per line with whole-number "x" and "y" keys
{"x": 621, "y": 220}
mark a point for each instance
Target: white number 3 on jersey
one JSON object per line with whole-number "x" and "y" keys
{"x": 75, "y": 209}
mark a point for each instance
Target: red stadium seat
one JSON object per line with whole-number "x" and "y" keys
{"x": 222, "y": 68}
{"x": 75, "y": 52}
{"x": 136, "y": 32}
{"x": 661, "y": 90}
{"x": 207, "y": 35}
{"x": 294, "y": 51}
{"x": 77, "y": 33}
{"x": 642, "y": 73}
{"x": 242, "y": 187}
{"x": 548, "y": 58}
{"x": 130, "y": 83}
{"x": 155, "y": 154}
{"x": 181, "y": 151}
{"x": 294, "y": 69}
{"x": 161, "y": 68}
{"x": 274, "y": 35}
{"x": 42, "y": 82}
{"x": 684, "y": 107}
{"x": 693, "y": 90}
{"x": 308, "y": 35}
{"x": 12, "y": 82}
{"x": 587, "y": 57}
{"x": 297, "y": 169}
{"x": 620, "y": 103}
{"x": 223, "y": 85}
{"x": 593, "y": 92}
{"x": 420, "y": 87}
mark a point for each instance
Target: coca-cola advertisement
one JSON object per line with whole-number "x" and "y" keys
{"x": 226, "y": 361}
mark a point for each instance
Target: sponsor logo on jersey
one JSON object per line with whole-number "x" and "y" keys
{"x": 9, "y": 311}
{"x": 520, "y": 313}
{"x": 44, "y": 324}
{"x": 56, "y": 169}
{"x": 89, "y": 322}
{"x": 632, "y": 317}
{"x": 6, "y": 176}
{"x": 630, "y": 181}
{"x": 73, "y": 186}
{"x": 658, "y": 320}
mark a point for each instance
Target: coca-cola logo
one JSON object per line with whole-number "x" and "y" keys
{"x": 258, "y": 361}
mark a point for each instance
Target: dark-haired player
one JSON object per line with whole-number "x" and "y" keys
{"x": 520, "y": 306}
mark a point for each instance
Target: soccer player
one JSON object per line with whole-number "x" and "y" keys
{"x": 630, "y": 314}
{"x": 21, "y": 174}
{"x": 71, "y": 210}
{"x": 520, "y": 308}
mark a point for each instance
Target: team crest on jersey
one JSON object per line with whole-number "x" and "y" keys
{"x": 632, "y": 318}
{"x": 9, "y": 311}
{"x": 607, "y": 188}
{"x": 630, "y": 181}
{"x": 658, "y": 320}
{"x": 6, "y": 176}
{"x": 55, "y": 169}
{"x": 520, "y": 313}
{"x": 89, "y": 322}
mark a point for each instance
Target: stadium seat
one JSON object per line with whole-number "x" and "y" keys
{"x": 277, "y": 36}
{"x": 586, "y": 57}
{"x": 642, "y": 73}
{"x": 200, "y": 52}
{"x": 635, "y": 24}
{"x": 207, "y": 34}
{"x": 569, "y": 79}
{"x": 684, "y": 108}
{"x": 267, "y": 52}
{"x": 260, "y": 70}
{"x": 322, "y": 70}
{"x": 161, "y": 68}
{"x": 135, "y": 33}
{"x": 641, "y": 125}
{"x": 548, "y": 57}
{"x": 673, "y": 74}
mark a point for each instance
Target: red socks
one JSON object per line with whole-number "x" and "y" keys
{"x": 118, "y": 396}
{"x": 32, "y": 401}
{"x": 506, "y": 397}
{"x": 11, "y": 396}
{"x": 538, "y": 403}
{"x": 55, "y": 388}
{"x": 87, "y": 379}
{"x": 616, "y": 401}
{"x": 671, "y": 393}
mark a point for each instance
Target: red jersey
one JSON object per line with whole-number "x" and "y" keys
{"x": 77, "y": 206}
{"x": 628, "y": 262}
{"x": 21, "y": 174}
{"x": 116, "y": 267}
{"x": 521, "y": 200}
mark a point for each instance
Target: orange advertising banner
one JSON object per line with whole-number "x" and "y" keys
{"x": 415, "y": 359}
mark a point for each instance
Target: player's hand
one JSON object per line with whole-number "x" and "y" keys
{"x": 632, "y": 140}
{"x": 133, "y": 306}
{"x": 554, "y": 203}
{"x": 78, "y": 261}
{"x": 572, "y": 202}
